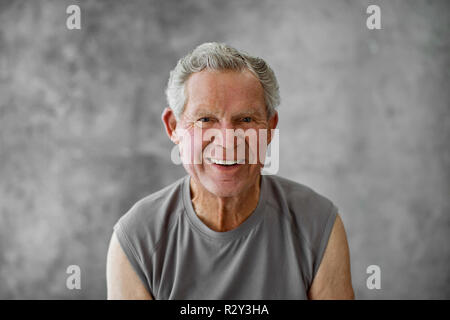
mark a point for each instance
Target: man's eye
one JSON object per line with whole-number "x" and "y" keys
{"x": 247, "y": 119}
{"x": 204, "y": 119}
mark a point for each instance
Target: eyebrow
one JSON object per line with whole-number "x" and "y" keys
{"x": 249, "y": 112}
{"x": 203, "y": 113}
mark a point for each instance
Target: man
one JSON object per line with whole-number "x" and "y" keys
{"x": 225, "y": 231}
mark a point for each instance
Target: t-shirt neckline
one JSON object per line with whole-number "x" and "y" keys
{"x": 240, "y": 230}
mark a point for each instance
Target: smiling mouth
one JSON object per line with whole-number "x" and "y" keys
{"x": 225, "y": 163}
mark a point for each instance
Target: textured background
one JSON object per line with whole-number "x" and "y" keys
{"x": 364, "y": 120}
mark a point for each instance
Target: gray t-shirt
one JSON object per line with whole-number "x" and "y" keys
{"x": 274, "y": 254}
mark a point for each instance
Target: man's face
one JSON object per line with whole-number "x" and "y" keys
{"x": 220, "y": 104}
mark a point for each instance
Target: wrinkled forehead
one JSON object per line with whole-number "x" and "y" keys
{"x": 224, "y": 92}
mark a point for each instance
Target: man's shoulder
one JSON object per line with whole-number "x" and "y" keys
{"x": 295, "y": 193}
{"x": 154, "y": 213}
{"x": 168, "y": 197}
{"x": 309, "y": 211}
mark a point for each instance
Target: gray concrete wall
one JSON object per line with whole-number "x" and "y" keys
{"x": 364, "y": 120}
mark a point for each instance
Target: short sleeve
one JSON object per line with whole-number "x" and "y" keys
{"x": 130, "y": 251}
{"x": 321, "y": 245}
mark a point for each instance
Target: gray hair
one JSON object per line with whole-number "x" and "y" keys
{"x": 219, "y": 56}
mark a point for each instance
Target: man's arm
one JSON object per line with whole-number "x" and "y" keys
{"x": 333, "y": 279}
{"x": 122, "y": 281}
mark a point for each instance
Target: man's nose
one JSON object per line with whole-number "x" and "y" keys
{"x": 226, "y": 137}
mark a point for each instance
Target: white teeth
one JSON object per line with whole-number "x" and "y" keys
{"x": 225, "y": 162}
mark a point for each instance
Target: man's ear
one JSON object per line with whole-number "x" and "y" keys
{"x": 170, "y": 124}
{"x": 273, "y": 122}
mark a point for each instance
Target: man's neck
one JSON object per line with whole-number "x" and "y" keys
{"x": 223, "y": 214}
